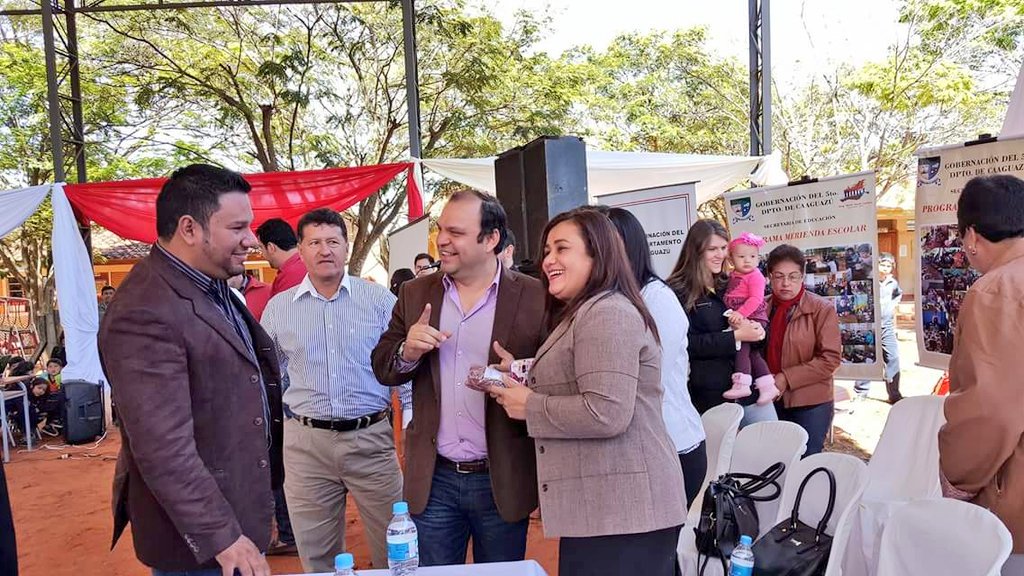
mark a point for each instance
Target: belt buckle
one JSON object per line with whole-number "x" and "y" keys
{"x": 458, "y": 469}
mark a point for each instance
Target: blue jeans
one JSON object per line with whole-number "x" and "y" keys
{"x": 752, "y": 414}
{"x": 816, "y": 420}
{"x": 460, "y": 506}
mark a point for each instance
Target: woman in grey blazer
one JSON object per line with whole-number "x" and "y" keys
{"x": 610, "y": 483}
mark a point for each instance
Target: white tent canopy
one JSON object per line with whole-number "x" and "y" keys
{"x": 609, "y": 172}
{"x": 76, "y": 289}
{"x": 1013, "y": 123}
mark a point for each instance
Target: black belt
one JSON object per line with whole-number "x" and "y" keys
{"x": 344, "y": 425}
{"x": 471, "y": 467}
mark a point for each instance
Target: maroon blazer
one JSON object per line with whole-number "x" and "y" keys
{"x": 196, "y": 469}
{"x": 519, "y": 327}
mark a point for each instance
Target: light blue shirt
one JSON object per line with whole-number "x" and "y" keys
{"x": 324, "y": 345}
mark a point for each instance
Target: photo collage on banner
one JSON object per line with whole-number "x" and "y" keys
{"x": 833, "y": 221}
{"x": 666, "y": 213}
{"x": 944, "y": 272}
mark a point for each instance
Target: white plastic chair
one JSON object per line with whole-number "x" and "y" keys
{"x": 904, "y": 467}
{"x": 757, "y": 447}
{"x": 6, "y": 436}
{"x": 721, "y": 424}
{"x": 851, "y": 477}
{"x": 943, "y": 536}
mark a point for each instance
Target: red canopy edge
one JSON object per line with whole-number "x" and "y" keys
{"x": 128, "y": 207}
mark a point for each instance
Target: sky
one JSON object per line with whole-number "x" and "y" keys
{"x": 807, "y": 36}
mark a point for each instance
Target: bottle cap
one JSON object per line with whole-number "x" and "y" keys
{"x": 400, "y": 508}
{"x": 746, "y": 540}
{"x": 343, "y": 561}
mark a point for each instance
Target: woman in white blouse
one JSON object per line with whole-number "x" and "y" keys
{"x": 681, "y": 418}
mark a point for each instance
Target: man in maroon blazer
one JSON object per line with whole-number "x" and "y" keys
{"x": 470, "y": 471}
{"x": 197, "y": 387}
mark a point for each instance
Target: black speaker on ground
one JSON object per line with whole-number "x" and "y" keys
{"x": 84, "y": 420}
{"x": 537, "y": 181}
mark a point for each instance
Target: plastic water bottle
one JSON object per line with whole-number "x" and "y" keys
{"x": 344, "y": 565}
{"x": 741, "y": 563}
{"x": 403, "y": 543}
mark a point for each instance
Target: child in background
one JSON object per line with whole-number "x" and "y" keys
{"x": 746, "y": 302}
{"x": 47, "y": 407}
{"x": 52, "y": 375}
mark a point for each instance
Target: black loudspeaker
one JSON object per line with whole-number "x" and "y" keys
{"x": 83, "y": 407}
{"x": 538, "y": 181}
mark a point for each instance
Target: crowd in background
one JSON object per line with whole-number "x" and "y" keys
{"x": 602, "y": 432}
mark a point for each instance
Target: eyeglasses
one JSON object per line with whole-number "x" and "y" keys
{"x": 793, "y": 278}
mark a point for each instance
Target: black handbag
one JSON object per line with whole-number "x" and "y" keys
{"x": 793, "y": 548}
{"x": 727, "y": 512}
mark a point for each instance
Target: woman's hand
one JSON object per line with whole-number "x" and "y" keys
{"x": 512, "y": 398}
{"x": 506, "y": 358}
{"x": 749, "y": 331}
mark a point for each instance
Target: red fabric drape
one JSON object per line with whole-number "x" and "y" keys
{"x": 128, "y": 208}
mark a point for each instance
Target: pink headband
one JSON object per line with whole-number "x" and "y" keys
{"x": 748, "y": 239}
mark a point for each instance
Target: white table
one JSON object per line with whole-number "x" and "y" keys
{"x": 524, "y": 568}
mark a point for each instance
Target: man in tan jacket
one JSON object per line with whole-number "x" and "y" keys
{"x": 981, "y": 446}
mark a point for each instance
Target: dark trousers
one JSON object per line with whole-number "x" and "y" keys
{"x": 816, "y": 420}
{"x": 650, "y": 554}
{"x": 750, "y": 361}
{"x": 8, "y": 546}
{"x": 695, "y": 468}
{"x": 462, "y": 506}
{"x": 284, "y": 524}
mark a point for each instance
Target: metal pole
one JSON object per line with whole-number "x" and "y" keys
{"x": 412, "y": 91}
{"x": 766, "y": 77}
{"x": 77, "y": 120}
{"x": 52, "y": 96}
{"x": 754, "y": 86}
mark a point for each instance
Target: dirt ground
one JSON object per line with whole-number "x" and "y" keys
{"x": 61, "y": 505}
{"x": 61, "y": 497}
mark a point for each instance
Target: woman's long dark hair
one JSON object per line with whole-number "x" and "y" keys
{"x": 634, "y": 239}
{"x": 691, "y": 278}
{"x": 611, "y": 270}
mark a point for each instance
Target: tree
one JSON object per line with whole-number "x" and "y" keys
{"x": 26, "y": 159}
{"x": 325, "y": 86}
{"x": 664, "y": 92}
{"x": 935, "y": 87}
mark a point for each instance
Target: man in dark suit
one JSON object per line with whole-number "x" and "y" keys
{"x": 197, "y": 387}
{"x": 8, "y": 546}
{"x": 470, "y": 470}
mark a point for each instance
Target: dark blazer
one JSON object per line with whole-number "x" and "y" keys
{"x": 518, "y": 326}
{"x": 712, "y": 353}
{"x": 8, "y": 546}
{"x": 195, "y": 470}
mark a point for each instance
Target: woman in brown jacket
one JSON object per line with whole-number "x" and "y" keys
{"x": 804, "y": 347}
{"x": 610, "y": 483}
{"x": 981, "y": 446}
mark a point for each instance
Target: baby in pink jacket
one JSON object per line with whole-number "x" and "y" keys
{"x": 746, "y": 301}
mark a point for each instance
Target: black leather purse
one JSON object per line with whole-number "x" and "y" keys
{"x": 793, "y": 548}
{"x": 727, "y": 512}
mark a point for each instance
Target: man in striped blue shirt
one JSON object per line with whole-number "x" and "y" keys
{"x": 339, "y": 439}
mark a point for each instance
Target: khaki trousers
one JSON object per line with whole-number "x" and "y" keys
{"x": 321, "y": 468}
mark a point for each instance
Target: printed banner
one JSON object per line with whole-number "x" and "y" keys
{"x": 833, "y": 221}
{"x": 666, "y": 213}
{"x": 944, "y": 273}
